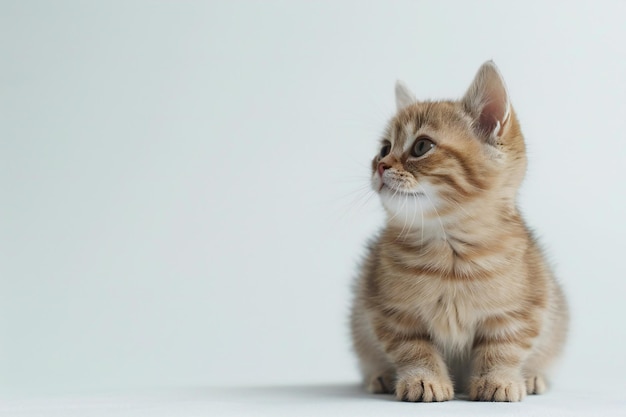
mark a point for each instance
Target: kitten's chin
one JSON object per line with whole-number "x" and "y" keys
{"x": 399, "y": 193}
{"x": 389, "y": 192}
{"x": 402, "y": 203}
{"x": 407, "y": 204}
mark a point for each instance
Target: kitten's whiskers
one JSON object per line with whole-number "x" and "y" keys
{"x": 445, "y": 236}
{"x": 395, "y": 193}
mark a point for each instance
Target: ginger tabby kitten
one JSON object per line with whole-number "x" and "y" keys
{"x": 455, "y": 287}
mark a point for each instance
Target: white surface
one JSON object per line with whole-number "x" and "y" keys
{"x": 183, "y": 184}
{"x": 315, "y": 401}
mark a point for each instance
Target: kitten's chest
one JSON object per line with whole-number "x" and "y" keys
{"x": 446, "y": 295}
{"x": 451, "y": 319}
{"x": 449, "y": 311}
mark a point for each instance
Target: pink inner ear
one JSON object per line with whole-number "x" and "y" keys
{"x": 487, "y": 100}
{"x": 494, "y": 110}
{"x": 490, "y": 115}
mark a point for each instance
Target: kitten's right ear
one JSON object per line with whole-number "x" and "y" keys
{"x": 487, "y": 100}
{"x": 404, "y": 96}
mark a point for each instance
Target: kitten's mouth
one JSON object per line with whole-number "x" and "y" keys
{"x": 395, "y": 191}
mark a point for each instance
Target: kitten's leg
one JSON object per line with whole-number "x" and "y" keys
{"x": 548, "y": 346}
{"x": 421, "y": 372}
{"x": 378, "y": 372}
{"x": 498, "y": 357}
{"x": 380, "y": 382}
{"x": 535, "y": 384}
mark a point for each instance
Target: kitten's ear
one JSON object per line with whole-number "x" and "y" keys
{"x": 487, "y": 100}
{"x": 404, "y": 96}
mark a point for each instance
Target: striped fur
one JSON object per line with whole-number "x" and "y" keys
{"x": 455, "y": 288}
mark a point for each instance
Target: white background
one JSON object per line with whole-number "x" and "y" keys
{"x": 183, "y": 185}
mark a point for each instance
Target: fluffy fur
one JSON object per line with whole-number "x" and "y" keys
{"x": 454, "y": 291}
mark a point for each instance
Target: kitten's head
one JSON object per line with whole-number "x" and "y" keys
{"x": 437, "y": 158}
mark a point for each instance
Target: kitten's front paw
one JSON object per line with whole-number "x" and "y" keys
{"x": 535, "y": 385}
{"x": 380, "y": 384}
{"x": 494, "y": 387}
{"x": 424, "y": 387}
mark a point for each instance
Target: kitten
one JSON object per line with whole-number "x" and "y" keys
{"x": 455, "y": 287}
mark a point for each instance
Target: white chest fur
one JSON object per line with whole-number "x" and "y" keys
{"x": 451, "y": 322}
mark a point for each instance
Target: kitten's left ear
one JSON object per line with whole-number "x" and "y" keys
{"x": 404, "y": 96}
{"x": 487, "y": 100}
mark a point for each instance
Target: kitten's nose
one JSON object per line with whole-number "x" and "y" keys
{"x": 382, "y": 167}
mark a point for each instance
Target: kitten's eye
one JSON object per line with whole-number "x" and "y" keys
{"x": 384, "y": 151}
{"x": 421, "y": 146}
